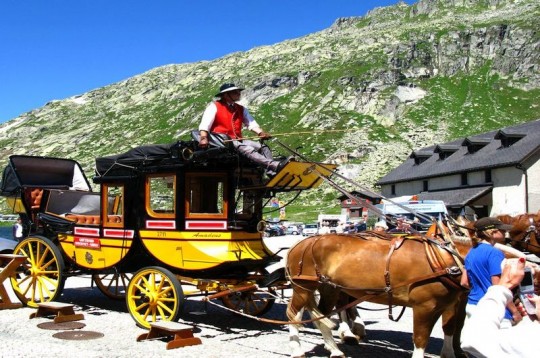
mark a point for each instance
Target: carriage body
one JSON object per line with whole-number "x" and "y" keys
{"x": 192, "y": 217}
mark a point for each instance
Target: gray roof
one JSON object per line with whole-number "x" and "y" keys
{"x": 458, "y": 197}
{"x": 490, "y": 155}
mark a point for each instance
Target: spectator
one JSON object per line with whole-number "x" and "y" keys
{"x": 18, "y": 230}
{"x": 483, "y": 335}
{"x": 483, "y": 265}
{"x": 380, "y": 226}
{"x": 360, "y": 225}
{"x": 402, "y": 227}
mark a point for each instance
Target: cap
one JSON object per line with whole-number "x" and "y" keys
{"x": 227, "y": 87}
{"x": 491, "y": 223}
{"x": 381, "y": 224}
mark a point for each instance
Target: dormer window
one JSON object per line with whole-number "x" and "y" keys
{"x": 508, "y": 138}
{"x": 475, "y": 144}
{"x": 445, "y": 150}
{"x": 420, "y": 156}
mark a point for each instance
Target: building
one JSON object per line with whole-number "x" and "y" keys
{"x": 493, "y": 173}
{"x": 356, "y": 208}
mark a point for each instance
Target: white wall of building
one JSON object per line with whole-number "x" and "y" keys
{"x": 477, "y": 178}
{"x": 533, "y": 174}
{"x": 508, "y": 191}
{"x": 450, "y": 181}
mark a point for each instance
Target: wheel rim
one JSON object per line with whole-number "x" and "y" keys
{"x": 41, "y": 277}
{"x": 154, "y": 294}
{"x": 112, "y": 285}
{"x": 251, "y": 303}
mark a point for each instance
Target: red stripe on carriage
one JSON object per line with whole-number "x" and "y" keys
{"x": 86, "y": 231}
{"x": 127, "y": 234}
{"x": 208, "y": 225}
{"x": 160, "y": 224}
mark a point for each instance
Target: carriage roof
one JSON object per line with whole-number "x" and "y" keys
{"x": 44, "y": 172}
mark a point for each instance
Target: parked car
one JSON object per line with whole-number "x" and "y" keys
{"x": 7, "y": 245}
{"x": 294, "y": 230}
{"x": 274, "y": 230}
{"x": 310, "y": 229}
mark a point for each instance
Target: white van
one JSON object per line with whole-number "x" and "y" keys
{"x": 433, "y": 208}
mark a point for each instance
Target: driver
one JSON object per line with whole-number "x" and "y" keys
{"x": 227, "y": 117}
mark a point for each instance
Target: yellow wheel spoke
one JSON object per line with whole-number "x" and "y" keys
{"x": 165, "y": 291}
{"x": 140, "y": 307}
{"x": 51, "y": 273}
{"x": 43, "y": 256}
{"x": 162, "y": 306}
{"x": 50, "y": 262}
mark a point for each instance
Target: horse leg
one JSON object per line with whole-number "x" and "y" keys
{"x": 358, "y": 325}
{"x": 294, "y": 336}
{"x": 453, "y": 321}
{"x": 424, "y": 319}
{"x": 344, "y": 329}
{"x": 351, "y": 327}
{"x": 325, "y": 326}
{"x": 295, "y": 309}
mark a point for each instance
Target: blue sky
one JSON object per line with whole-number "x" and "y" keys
{"x": 54, "y": 49}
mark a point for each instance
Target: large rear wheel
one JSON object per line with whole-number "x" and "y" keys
{"x": 41, "y": 278}
{"x": 254, "y": 303}
{"x": 154, "y": 294}
{"x": 112, "y": 285}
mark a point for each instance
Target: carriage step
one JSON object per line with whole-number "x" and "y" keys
{"x": 64, "y": 312}
{"x": 182, "y": 334}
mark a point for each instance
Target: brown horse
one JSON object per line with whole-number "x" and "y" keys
{"x": 414, "y": 272}
{"x": 524, "y": 235}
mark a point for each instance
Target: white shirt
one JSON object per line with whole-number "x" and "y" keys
{"x": 209, "y": 116}
{"x": 18, "y": 230}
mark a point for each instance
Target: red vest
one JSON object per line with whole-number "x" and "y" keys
{"x": 228, "y": 121}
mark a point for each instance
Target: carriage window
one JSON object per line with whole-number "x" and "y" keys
{"x": 205, "y": 195}
{"x": 160, "y": 196}
{"x": 113, "y": 204}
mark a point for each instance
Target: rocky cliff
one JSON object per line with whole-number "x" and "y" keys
{"x": 364, "y": 92}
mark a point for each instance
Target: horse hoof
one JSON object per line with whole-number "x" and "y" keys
{"x": 350, "y": 341}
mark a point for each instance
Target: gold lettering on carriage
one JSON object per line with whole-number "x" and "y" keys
{"x": 208, "y": 234}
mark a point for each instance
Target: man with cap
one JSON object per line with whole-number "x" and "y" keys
{"x": 483, "y": 265}
{"x": 226, "y": 116}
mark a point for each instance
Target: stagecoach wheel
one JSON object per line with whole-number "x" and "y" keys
{"x": 154, "y": 294}
{"x": 41, "y": 278}
{"x": 254, "y": 303}
{"x": 112, "y": 285}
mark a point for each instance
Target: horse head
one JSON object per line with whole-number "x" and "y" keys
{"x": 524, "y": 233}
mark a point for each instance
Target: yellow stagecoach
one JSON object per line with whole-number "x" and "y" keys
{"x": 167, "y": 221}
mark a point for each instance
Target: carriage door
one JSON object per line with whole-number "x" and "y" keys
{"x": 206, "y": 201}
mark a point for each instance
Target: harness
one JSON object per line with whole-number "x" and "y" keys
{"x": 442, "y": 260}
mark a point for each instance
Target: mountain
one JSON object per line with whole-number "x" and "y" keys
{"x": 364, "y": 92}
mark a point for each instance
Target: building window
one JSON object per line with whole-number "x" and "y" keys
{"x": 487, "y": 174}
{"x": 393, "y": 189}
{"x": 425, "y": 185}
{"x": 464, "y": 179}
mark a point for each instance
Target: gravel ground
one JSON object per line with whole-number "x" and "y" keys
{"x": 222, "y": 333}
